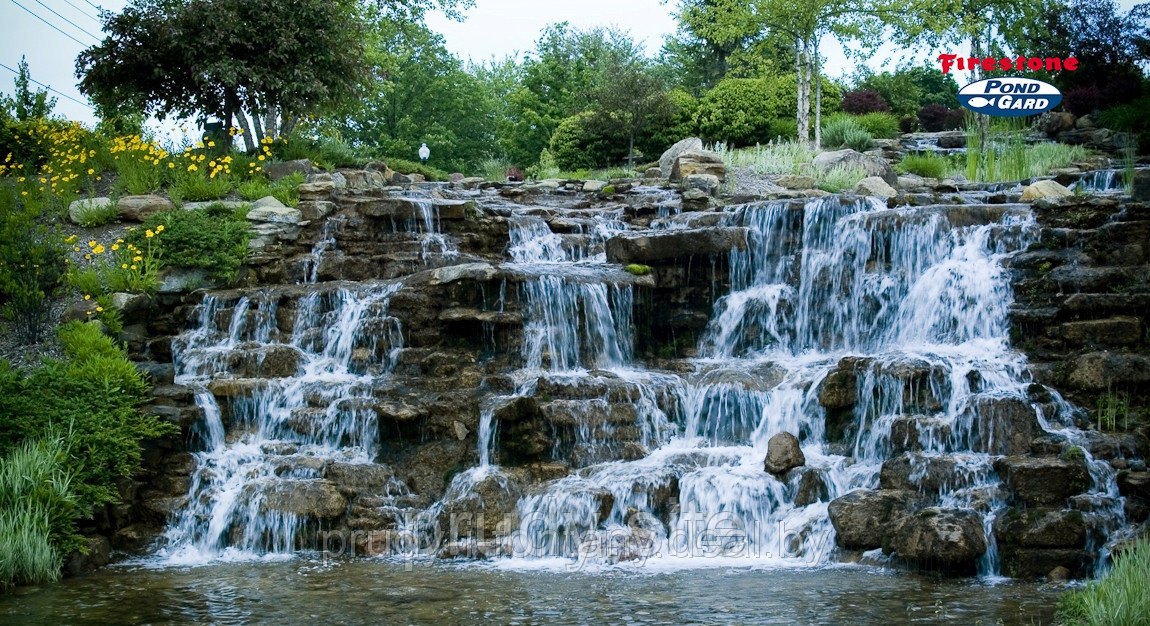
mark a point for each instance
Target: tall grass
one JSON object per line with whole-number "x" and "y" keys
{"x": 1120, "y": 598}
{"x": 1005, "y": 155}
{"x": 845, "y": 130}
{"x": 787, "y": 157}
{"x": 839, "y": 178}
{"x": 37, "y": 507}
{"x": 927, "y": 165}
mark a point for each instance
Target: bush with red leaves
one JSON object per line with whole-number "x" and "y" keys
{"x": 932, "y": 117}
{"x": 1081, "y": 101}
{"x": 864, "y": 101}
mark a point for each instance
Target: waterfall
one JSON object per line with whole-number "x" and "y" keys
{"x": 297, "y": 398}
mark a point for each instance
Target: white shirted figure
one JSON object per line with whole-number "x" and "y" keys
{"x": 424, "y": 153}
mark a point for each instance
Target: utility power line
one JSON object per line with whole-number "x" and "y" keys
{"x": 49, "y": 88}
{"x": 83, "y": 12}
{"x": 74, "y": 25}
{"x": 54, "y": 27}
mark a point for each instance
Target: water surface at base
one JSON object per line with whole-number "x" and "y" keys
{"x": 374, "y": 592}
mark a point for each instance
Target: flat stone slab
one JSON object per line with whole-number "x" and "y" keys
{"x": 675, "y": 244}
{"x": 412, "y": 208}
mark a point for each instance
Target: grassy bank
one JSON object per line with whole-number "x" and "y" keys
{"x": 1122, "y": 598}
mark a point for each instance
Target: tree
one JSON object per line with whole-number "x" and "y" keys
{"x": 265, "y": 64}
{"x": 26, "y": 104}
{"x": 1112, "y": 45}
{"x": 558, "y": 80}
{"x": 419, "y": 93}
{"x": 630, "y": 101}
{"x": 908, "y": 90}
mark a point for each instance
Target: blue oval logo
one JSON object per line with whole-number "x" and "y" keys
{"x": 1010, "y": 96}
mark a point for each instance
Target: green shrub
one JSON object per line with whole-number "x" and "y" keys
{"x": 91, "y": 216}
{"x": 845, "y": 130}
{"x": 839, "y": 179}
{"x": 37, "y": 512}
{"x": 198, "y": 187}
{"x": 286, "y": 189}
{"x": 880, "y": 125}
{"x": 638, "y": 270}
{"x": 1120, "y": 598}
{"x": 91, "y": 399}
{"x": 608, "y": 190}
{"x": 738, "y": 111}
{"x": 404, "y": 166}
{"x": 32, "y": 264}
{"x": 571, "y": 145}
{"x": 925, "y": 165}
{"x": 214, "y": 238}
{"x": 324, "y": 152}
{"x": 138, "y": 177}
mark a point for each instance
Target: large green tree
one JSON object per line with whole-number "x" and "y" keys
{"x": 420, "y": 93}
{"x": 558, "y": 80}
{"x": 261, "y": 64}
{"x": 27, "y": 103}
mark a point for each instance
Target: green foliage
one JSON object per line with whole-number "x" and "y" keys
{"x": 92, "y": 215}
{"x": 286, "y": 189}
{"x": 91, "y": 400}
{"x": 1120, "y": 598}
{"x": 570, "y": 144}
{"x": 926, "y": 165}
{"x": 1006, "y": 156}
{"x": 37, "y": 512}
{"x": 880, "y": 125}
{"x": 1112, "y": 406}
{"x": 1130, "y": 118}
{"x": 138, "y": 177}
{"x": 908, "y": 90}
{"x": 324, "y": 152}
{"x": 839, "y": 178}
{"x": 773, "y": 158}
{"x": 242, "y": 58}
{"x": 213, "y": 238}
{"x": 845, "y": 130}
{"x": 26, "y": 103}
{"x": 638, "y": 270}
{"x": 32, "y": 264}
{"x": 404, "y": 166}
{"x": 199, "y": 187}
{"x": 558, "y": 80}
{"x": 545, "y": 168}
{"x": 738, "y": 111}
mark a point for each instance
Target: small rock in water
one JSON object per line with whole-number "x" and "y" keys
{"x": 1045, "y": 189}
{"x": 1058, "y": 574}
{"x": 783, "y": 454}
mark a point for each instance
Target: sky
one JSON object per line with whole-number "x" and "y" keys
{"x": 492, "y": 28}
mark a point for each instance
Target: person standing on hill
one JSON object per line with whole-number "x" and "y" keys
{"x": 424, "y": 153}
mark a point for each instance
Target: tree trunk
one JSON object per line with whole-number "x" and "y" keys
{"x": 249, "y": 142}
{"x": 802, "y": 115}
{"x": 631, "y": 151}
{"x": 271, "y": 121}
{"x": 982, "y": 122}
{"x": 287, "y": 125}
{"x": 258, "y": 127}
{"x": 818, "y": 97}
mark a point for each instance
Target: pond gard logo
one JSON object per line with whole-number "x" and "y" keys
{"x": 1010, "y": 96}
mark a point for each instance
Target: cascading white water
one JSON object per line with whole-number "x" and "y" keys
{"x": 283, "y": 428}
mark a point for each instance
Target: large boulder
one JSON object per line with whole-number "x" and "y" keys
{"x": 1099, "y": 371}
{"x": 675, "y": 244}
{"x": 1044, "y": 189}
{"x": 273, "y": 211}
{"x": 481, "y": 506}
{"x": 1053, "y": 122}
{"x": 848, "y": 158}
{"x": 1004, "y": 426}
{"x": 875, "y": 186}
{"x": 1036, "y": 481}
{"x": 276, "y": 171}
{"x": 360, "y": 479}
{"x": 783, "y": 454}
{"x": 942, "y": 539}
{"x": 79, "y": 210}
{"x": 668, "y": 159}
{"x": 862, "y": 516}
{"x": 1041, "y": 528}
{"x": 140, "y": 208}
{"x": 698, "y": 162}
{"x": 923, "y": 472}
{"x": 314, "y": 499}
{"x": 1141, "y": 191}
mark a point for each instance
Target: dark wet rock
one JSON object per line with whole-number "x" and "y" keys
{"x": 939, "y": 539}
{"x": 1021, "y": 562}
{"x": 783, "y": 454}
{"x": 908, "y": 432}
{"x": 1036, "y": 481}
{"x": 861, "y": 517}
{"x": 812, "y": 487}
{"x": 360, "y": 479}
{"x": 1004, "y": 426}
{"x": 924, "y": 472}
{"x": 1041, "y": 528}
{"x": 315, "y": 499}
{"x": 663, "y": 246}
{"x": 95, "y": 554}
{"x": 486, "y": 511}
{"x": 1100, "y": 371}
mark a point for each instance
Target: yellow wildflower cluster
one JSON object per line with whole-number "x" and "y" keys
{"x": 137, "y": 148}
{"x": 67, "y": 152}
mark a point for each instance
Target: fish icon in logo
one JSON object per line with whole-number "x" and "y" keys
{"x": 978, "y": 103}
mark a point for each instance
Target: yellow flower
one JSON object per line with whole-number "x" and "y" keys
{"x": 91, "y": 171}
{"x": 133, "y": 266}
{"x": 192, "y": 167}
{"x": 171, "y": 165}
{"x": 98, "y": 249}
{"x": 87, "y": 297}
{"x": 76, "y": 248}
{"x": 92, "y": 244}
{"x": 137, "y": 259}
{"x": 124, "y": 266}
{"x": 149, "y": 234}
{"x": 160, "y": 228}
{"x": 115, "y": 247}
{"x": 99, "y": 309}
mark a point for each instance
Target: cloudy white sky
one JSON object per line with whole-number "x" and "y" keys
{"x": 52, "y": 32}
